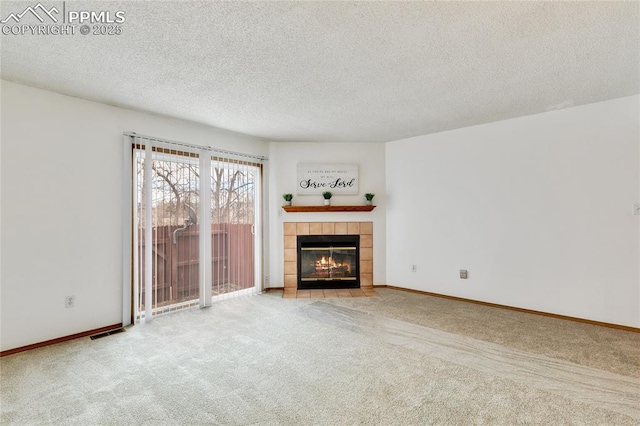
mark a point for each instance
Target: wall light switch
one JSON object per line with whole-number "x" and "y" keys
{"x": 636, "y": 209}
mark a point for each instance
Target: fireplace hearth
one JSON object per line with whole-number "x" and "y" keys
{"x": 328, "y": 261}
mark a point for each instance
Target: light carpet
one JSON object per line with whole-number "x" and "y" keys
{"x": 397, "y": 359}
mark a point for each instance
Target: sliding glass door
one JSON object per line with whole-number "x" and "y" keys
{"x": 195, "y": 219}
{"x": 235, "y": 189}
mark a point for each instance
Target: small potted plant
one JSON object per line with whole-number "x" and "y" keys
{"x": 327, "y": 198}
{"x": 369, "y": 196}
{"x": 287, "y": 198}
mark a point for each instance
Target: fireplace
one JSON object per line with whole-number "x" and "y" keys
{"x": 292, "y": 230}
{"x": 328, "y": 261}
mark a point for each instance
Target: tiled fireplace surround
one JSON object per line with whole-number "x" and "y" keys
{"x": 293, "y": 229}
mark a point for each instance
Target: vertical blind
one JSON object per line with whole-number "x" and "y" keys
{"x": 195, "y": 222}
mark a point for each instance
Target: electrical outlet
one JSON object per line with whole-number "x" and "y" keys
{"x": 464, "y": 274}
{"x": 414, "y": 268}
{"x": 266, "y": 279}
{"x": 69, "y": 301}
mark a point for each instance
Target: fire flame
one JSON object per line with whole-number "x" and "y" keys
{"x": 325, "y": 263}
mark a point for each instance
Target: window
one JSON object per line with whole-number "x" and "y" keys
{"x": 194, "y": 219}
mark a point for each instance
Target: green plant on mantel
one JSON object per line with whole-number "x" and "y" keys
{"x": 327, "y": 195}
{"x": 369, "y": 196}
{"x": 287, "y": 197}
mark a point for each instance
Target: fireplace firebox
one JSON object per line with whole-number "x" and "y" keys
{"x": 328, "y": 261}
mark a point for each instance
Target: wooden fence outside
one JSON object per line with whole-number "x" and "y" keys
{"x": 176, "y": 275}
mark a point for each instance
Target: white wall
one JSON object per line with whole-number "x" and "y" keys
{"x": 538, "y": 209}
{"x": 62, "y": 171}
{"x": 283, "y": 161}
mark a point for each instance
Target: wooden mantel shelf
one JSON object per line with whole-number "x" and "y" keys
{"x": 322, "y": 209}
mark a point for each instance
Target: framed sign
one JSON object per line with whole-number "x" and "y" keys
{"x": 316, "y": 178}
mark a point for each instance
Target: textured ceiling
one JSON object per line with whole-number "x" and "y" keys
{"x": 339, "y": 71}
